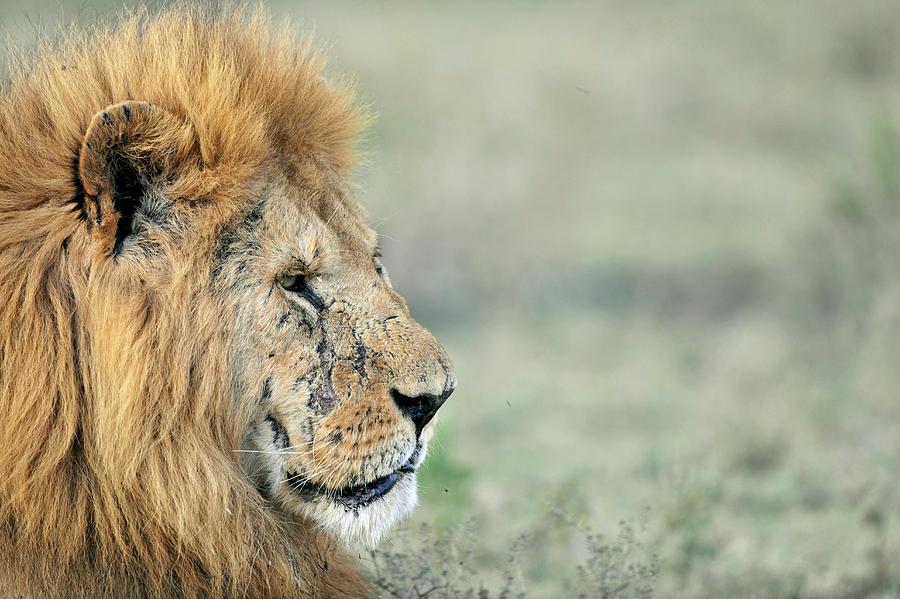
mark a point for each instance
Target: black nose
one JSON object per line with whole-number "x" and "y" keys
{"x": 421, "y": 409}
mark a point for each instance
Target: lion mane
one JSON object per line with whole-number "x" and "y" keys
{"x": 113, "y": 477}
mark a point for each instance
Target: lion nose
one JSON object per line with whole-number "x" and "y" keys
{"x": 422, "y": 408}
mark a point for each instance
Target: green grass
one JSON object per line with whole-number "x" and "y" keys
{"x": 445, "y": 483}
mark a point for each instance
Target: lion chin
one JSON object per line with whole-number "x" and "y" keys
{"x": 360, "y": 516}
{"x": 363, "y": 526}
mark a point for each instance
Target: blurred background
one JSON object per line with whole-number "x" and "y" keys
{"x": 661, "y": 240}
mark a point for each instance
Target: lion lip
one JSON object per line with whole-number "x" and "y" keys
{"x": 370, "y": 491}
{"x": 359, "y": 495}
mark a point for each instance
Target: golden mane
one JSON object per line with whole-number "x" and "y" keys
{"x": 115, "y": 470}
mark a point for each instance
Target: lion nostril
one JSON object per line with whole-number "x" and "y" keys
{"x": 420, "y": 409}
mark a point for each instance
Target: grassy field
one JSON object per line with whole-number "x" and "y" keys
{"x": 662, "y": 242}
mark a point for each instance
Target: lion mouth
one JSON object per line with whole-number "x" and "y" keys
{"x": 356, "y": 496}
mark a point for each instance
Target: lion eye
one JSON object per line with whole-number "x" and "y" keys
{"x": 293, "y": 283}
{"x": 298, "y": 285}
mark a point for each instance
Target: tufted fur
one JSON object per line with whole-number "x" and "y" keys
{"x": 117, "y": 418}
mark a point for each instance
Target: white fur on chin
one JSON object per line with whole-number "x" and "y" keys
{"x": 364, "y": 526}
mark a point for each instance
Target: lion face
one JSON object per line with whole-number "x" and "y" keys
{"x": 346, "y": 383}
{"x": 337, "y": 383}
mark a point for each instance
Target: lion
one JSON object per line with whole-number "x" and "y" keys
{"x": 208, "y": 386}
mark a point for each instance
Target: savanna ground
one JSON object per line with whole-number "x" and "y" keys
{"x": 662, "y": 242}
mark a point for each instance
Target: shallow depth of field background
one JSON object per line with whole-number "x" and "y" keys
{"x": 661, "y": 241}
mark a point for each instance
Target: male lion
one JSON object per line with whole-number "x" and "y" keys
{"x": 207, "y": 383}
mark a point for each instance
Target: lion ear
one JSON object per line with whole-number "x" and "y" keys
{"x": 128, "y": 148}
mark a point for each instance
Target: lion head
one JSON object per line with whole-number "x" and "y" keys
{"x": 207, "y": 378}
{"x": 344, "y": 382}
